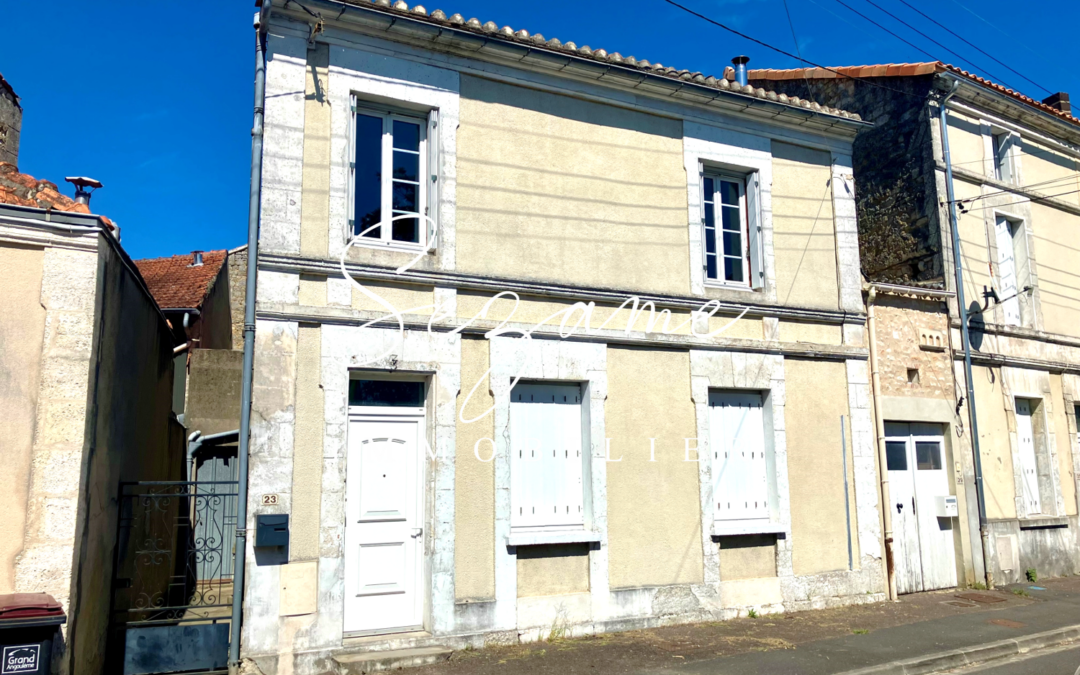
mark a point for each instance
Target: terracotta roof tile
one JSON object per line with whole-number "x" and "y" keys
{"x": 905, "y": 70}
{"x": 23, "y": 189}
{"x": 175, "y": 283}
{"x": 490, "y": 29}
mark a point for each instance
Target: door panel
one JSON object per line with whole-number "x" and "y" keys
{"x": 924, "y": 551}
{"x": 383, "y": 530}
{"x": 937, "y": 545}
{"x": 906, "y": 557}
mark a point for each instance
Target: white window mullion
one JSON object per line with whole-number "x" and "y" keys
{"x": 387, "y": 178}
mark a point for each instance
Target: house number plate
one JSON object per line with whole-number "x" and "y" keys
{"x": 269, "y": 500}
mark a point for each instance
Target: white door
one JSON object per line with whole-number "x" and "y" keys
{"x": 1007, "y": 271}
{"x": 740, "y": 467}
{"x": 907, "y": 559}
{"x": 924, "y": 550}
{"x": 931, "y": 476}
{"x": 1025, "y": 436}
{"x": 384, "y": 520}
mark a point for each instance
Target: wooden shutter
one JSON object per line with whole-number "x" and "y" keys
{"x": 754, "y": 238}
{"x": 434, "y": 182}
{"x": 546, "y": 487}
{"x": 739, "y": 464}
{"x": 1007, "y": 271}
{"x": 1025, "y": 436}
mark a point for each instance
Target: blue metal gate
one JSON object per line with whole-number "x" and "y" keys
{"x": 172, "y": 580}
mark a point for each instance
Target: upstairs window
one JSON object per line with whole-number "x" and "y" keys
{"x": 1010, "y": 268}
{"x": 726, "y": 229}
{"x": 393, "y": 186}
{"x": 1003, "y": 163}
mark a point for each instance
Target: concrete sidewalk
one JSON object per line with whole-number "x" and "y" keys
{"x": 823, "y": 642}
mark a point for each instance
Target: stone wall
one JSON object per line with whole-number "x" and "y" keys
{"x": 899, "y": 236}
{"x": 237, "y": 263}
{"x": 902, "y": 325}
{"x": 10, "y": 124}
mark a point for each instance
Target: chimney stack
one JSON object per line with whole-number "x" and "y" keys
{"x": 1060, "y": 101}
{"x": 81, "y": 183}
{"x": 740, "y": 69}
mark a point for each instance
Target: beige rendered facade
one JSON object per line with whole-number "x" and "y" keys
{"x": 556, "y": 196}
{"x": 1015, "y": 175}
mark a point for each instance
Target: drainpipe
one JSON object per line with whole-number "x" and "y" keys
{"x": 249, "y": 337}
{"x": 196, "y": 440}
{"x": 883, "y": 462}
{"x": 984, "y": 530}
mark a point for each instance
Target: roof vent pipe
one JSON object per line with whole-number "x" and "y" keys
{"x": 740, "y": 69}
{"x": 81, "y": 183}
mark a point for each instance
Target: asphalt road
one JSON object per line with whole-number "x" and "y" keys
{"x": 1061, "y": 661}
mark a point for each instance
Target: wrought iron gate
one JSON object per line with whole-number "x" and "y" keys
{"x": 172, "y": 592}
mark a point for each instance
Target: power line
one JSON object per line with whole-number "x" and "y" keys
{"x": 1022, "y": 201}
{"x": 1053, "y": 182}
{"x": 789, "y": 54}
{"x": 976, "y": 47}
{"x": 971, "y": 63}
{"x": 798, "y": 50}
{"x": 909, "y": 44}
{"x": 1012, "y": 38}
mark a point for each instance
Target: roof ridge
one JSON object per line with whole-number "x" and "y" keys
{"x": 491, "y": 29}
{"x": 904, "y": 70}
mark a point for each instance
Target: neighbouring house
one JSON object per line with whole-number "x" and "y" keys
{"x": 449, "y": 482}
{"x": 194, "y": 291}
{"x": 1015, "y": 164}
{"x": 85, "y": 388}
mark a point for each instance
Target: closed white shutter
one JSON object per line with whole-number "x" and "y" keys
{"x": 1025, "y": 436}
{"x": 1007, "y": 271}
{"x": 546, "y": 488}
{"x": 739, "y": 464}
{"x": 434, "y": 183}
{"x": 753, "y": 219}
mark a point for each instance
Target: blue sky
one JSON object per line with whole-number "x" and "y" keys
{"x": 156, "y": 103}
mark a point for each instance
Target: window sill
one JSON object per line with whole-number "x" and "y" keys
{"x": 396, "y": 246}
{"x": 1037, "y": 522}
{"x": 542, "y": 537}
{"x": 740, "y": 527}
{"x": 730, "y": 287}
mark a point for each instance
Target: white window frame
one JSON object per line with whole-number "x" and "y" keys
{"x": 1028, "y": 460}
{"x": 743, "y": 181}
{"x": 1003, "y": 155}
{"x": 428, "y": 188}
{"x": 574, "y": 492}
{"x": 766, "y": 517}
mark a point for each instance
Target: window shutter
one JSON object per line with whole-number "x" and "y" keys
{"x": 1007, "y": 282}
{"x": 753, "y": 219}
{"x": 1025, "y": 433}
{"x": 739, "y": 464}
{"x": 546, "y": 486}
{"x": 434, "y": 185}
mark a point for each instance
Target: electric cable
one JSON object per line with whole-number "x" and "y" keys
{"x": 924, "y": 35}
{"x": 789, "y": 54}
{"x": 974, "y": 46}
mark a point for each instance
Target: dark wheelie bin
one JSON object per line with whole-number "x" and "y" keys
{"x": 29, "y": 622}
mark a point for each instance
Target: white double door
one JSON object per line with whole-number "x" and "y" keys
{"x": 384, "y": 536}
{"x": 924, "y": 550}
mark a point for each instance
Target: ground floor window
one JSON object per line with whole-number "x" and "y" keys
{"x": 741, "y": 458}
{"x": 546, "y": 462}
